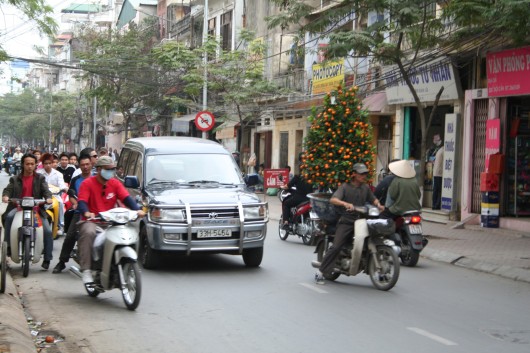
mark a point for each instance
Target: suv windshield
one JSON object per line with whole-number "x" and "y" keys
{"x": 192, "y": 168}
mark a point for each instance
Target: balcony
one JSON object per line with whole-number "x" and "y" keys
{"x": 294, "y": 80}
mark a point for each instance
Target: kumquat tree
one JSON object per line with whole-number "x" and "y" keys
{"x": 340, "y": 136}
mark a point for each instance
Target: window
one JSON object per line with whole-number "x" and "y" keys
{"x": 226, "y": 30}
{"x": 211, "y": 27}
{"x": 122, "y": 163}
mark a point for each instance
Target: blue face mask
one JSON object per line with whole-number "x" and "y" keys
{"x": 107, "y": 174}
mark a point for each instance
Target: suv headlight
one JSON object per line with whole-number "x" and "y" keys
{"x": 167, "y": 215}
{"x": 255, "y": 212}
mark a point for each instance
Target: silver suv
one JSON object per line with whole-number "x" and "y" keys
{"x": 195, "y": 197}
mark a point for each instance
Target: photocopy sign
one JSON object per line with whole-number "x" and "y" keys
{"x": 450, "y": 144}
{"x": 327, "y": 77}
{"x": 427, "y": 80}
{"x": 508, "y": 72}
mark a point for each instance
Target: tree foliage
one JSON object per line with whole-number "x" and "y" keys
{"x": 340, "y": 136}
{"x": 235, "y": 80}
{"x": 35, "y": 10}
{"x": 119, "y": 68}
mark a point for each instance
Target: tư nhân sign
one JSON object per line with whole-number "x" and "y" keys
{"x": 427, "y": 80}
{"x": 508, "y": 72}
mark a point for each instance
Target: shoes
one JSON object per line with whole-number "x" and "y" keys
{"x": 285, "y": 226}
{"x": 60, "y": 232}
{"x": 45, "y": 264}
{"x": 87, "y": 277}
{"x": 319, "y": 278}
{"x": 59, "y": 267}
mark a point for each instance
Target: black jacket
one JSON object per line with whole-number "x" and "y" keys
{"x": 14, "y": 189}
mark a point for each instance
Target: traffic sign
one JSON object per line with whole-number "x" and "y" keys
{"x": 204, "y": 120}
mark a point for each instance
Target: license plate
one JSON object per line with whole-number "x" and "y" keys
{"x": 415, "y": 229}
{"x": 214, "y": 233}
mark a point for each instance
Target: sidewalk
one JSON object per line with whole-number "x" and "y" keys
{"x": 501, "y": 252}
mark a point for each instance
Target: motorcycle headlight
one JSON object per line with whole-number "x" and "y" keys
{"x": 255, "y": 212}
{"x": 167, "y": 215}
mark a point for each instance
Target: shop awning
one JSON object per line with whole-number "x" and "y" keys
{"x": 226, "y": 130}
{"x": 375, "y": 103}
{"x": 181, "y": 123}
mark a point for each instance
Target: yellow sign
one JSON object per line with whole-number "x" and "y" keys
{"x": 326, "y": 77}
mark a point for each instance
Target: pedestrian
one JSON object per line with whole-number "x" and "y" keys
{"x": 436, "y": 157}
{"x": 349, "y": 194}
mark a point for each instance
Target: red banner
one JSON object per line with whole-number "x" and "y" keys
{"x": 508, "y": 72}
{"x": 275, "y": 178}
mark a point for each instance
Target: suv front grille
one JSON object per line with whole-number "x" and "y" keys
{"x": 218, "y": 213}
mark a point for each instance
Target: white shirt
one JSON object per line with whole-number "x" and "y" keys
{"x": 55, "y": 178}
{"x": 17, "y": 156}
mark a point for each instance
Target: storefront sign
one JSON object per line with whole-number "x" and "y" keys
{"x": 427, "y": 79}
{"x": 275, "y": 178}
{"x": 493, "y": 138}
{"x": 508, "y": 72}
{"x": 450, "y": 146}
{"x": 326, "y": 78}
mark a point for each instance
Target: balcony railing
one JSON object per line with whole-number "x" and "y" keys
{"x": 294, "y": 80}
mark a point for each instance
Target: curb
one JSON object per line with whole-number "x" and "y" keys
{"x": 14, "y": 332}
{"x": 514, "y": 273}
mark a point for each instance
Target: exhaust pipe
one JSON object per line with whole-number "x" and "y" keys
{"x": 315, "y": 264}
{"x": 76, "y": 271}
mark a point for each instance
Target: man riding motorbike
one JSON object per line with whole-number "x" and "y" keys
{"x": 28, "y": 183}
{"x": 56, "y": 184}
{"x": 299, "y": 189}
{"x": 350, "y": 194}
{"x": 97, "y": 194}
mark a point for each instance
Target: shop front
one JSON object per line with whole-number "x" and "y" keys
{"x": 497, "y": 132}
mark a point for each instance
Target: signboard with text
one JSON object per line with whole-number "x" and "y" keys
{"x": 508, "y": 72}
{"x": 450, "y": 147}
{"x": 326, "y": 77}
{"x": 275, "y": 178}
{"x": 426, "y": 78}
{"x": 493, "y": 138}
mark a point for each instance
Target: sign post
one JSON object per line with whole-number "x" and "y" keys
{"x": 204, "y": 120}
{"x": 275, "y": 178}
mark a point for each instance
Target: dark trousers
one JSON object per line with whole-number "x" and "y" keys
{"x": 436, "y": 193}
{"x": 70, "y": 238}
{"x": 343, "y": 236}
{"x": 291, "y": 201}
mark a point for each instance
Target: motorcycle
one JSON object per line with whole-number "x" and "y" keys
{"x": 114, "y": 257}
{"x": 27, "y": 240}
{"x": 372, "y": 250}
{"x": 301, "y": 222}
{"x": 410, "y": 232}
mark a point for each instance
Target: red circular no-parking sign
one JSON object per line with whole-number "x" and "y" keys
{"x": 204, "y": 120}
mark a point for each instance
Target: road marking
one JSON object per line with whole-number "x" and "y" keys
{"x": 314, "y": 287}
{"x": 432, "y": 336}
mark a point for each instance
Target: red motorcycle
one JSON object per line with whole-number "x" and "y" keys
{"x": 301, "y": 222}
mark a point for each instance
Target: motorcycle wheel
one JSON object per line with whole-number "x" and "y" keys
{"x": 386, "y": 277}
{"x": 148, "y": 257}
{"x": 132, "y": 287}
{"x": 283, "y": 233}
{"x": 308, "y": 237}
{"x": 26, "y": 256}
{"x": 410, "y": 256}
{"x": 4, "y": 268}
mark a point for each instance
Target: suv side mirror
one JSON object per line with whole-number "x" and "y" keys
{"x": 131, "y": 181}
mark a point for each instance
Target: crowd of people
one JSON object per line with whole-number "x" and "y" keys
{"x": 46, "y": 175}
